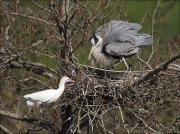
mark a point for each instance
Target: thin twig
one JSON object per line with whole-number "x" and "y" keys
{"x": 34, "y": 18}
{"x": 153, "y": 21}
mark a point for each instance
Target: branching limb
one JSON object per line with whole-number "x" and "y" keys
{"x": 5, "y": 130}
{"x": 37, "y": 64}
{"x": 146, "y": 125}
{"x": 37, "y": 68}
{"x": 144, "y": 62}
{"x": 45, "y": 9}
{"x": 35, "y": 121}
{"x": 34, "y": 18}
{"x": 161, "y": 67}
{"x": 78, "y": 120}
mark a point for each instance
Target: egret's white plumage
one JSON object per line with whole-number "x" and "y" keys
{"x": 47, "y": 96}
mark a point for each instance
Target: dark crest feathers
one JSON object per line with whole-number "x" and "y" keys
{"x": 95, "y": 39}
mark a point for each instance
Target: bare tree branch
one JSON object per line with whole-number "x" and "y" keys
{"x": 161, "y": 67}
{"x": 5, "y": 130}
{"x": 34, "y": 121}
{"x": 34, "y": 18}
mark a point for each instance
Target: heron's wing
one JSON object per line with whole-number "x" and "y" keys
{"x": 42, "y": 96}
{"x": 120, "y": 49}
{"x": 126, "y": 43}
{"x": 115, "y": 25}
{"x": 120, "y": 38}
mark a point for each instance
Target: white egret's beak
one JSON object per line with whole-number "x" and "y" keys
{"x": 71, "y": 80}
{"x": 90, "y": 54}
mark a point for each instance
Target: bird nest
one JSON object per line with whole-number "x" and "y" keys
{"x": 131, "y": 98}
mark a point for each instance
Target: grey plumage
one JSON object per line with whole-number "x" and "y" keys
{"x": 117, "y": 39}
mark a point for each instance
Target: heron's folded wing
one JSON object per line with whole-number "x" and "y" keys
{"x": 120, "y": 49}
{"x": 125, "y": 43}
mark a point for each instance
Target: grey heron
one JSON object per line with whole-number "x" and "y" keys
{"x": 117, "y": 40}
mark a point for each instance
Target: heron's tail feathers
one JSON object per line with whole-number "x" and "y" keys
{"x": 147, "y": 39}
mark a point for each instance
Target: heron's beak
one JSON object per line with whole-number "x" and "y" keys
{"x": 90, "y": 54}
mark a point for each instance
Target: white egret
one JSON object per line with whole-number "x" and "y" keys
{"x": 41, "y": 98}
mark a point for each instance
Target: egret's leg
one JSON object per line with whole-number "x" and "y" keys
{"x": 33, "y": 109}
{"x": 30, "y": 109}
{"x": 41, "y": 109}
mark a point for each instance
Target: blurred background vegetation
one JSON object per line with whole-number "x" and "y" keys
{"x": 166, "y": 30}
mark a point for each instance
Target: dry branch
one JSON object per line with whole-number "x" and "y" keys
{"x": 34, "y": 121}
{"x": 37, "y": 68}
{"x": 34, "y": 18}
{"x": 5, "y": 130}
{"x": 161, "y": 67}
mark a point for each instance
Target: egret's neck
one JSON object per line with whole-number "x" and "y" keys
{"x": 60, "y": 90}
{"x": 61, "y": 85}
